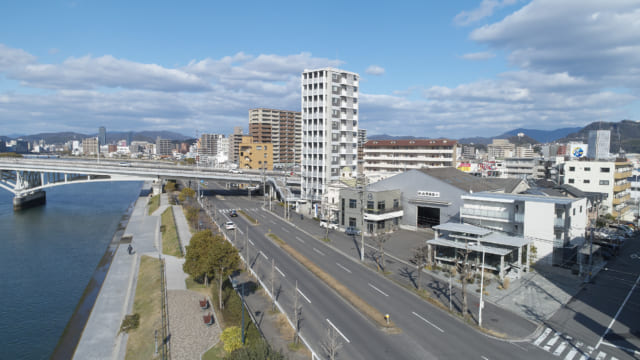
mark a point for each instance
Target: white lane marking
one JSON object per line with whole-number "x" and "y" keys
{"x": 265, "y": 256}
{"x": 297, "y": 238}
{"x": 427, "y": 321}
{"x": 618, "y": 313}
{"x": 378, "y": 290}
{"x": 306, "y": 298}
{"x": 552, "y": 342}
{"x": 339, "y": 332}
{"x": 241, "y": 232}
{"x": 541, "y": 338}
{"x": 281, "y": 273}
{"x": 484, "y": 358}
{"x": 251, "y": 242}
{"x": 601, "y": 355}
{"x": 344, "y": 268}
{"x": 560, "y": 348}
{"x": 318, "y": 251}
{"x": 285, "y": 230}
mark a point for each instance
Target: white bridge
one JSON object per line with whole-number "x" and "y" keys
{"x": 27, "y": 178}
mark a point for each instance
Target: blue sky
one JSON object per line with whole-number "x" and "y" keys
{"x": 433, "y": 69}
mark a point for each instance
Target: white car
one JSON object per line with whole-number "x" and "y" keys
{"x": 325, "y": 223}
{"x": 229, "y": 225}
{"x": 235, "y": 171}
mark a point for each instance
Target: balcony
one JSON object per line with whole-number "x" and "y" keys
{"x": 620, "y": 212}
{"x": 622, "y": 174}
{"x": 621, "y": 187}
{"x": 622, "y": 199}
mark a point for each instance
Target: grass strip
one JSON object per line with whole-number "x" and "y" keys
{"x": 342, "y": 290}
{"x": 147, "y": 305}
{"x": 248, "y": 217}
{"x": 170, "y": 241}
{"x": 154, "y": 204}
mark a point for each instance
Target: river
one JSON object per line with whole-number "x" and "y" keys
{"x": 47, "y": 257}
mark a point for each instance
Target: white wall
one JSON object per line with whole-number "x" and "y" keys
{"x": 538, "y": 225}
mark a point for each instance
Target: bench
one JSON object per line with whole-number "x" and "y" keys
{"x": 204, "y": 304}
{"x": 208, "y": 319}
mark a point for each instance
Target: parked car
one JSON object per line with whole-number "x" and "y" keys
{"x": 233, "y": 213}
{"x": 125, "y": 164}
{"x": 235, "y": 171}
{"x": 352, "y": 230}
{"x": 229, "y": 225}
{"x": 330, "y": 225}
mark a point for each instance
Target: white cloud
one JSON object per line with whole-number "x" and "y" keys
{"x": 592, "y": 39}
{"x": 375, "y": 70}
{"x": 485, "y": 9}
{"x": 485, "y": 55}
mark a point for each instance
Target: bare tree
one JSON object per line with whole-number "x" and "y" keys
{"x": 380, "y": 238}
{"x": 464, "y": 275}
{"x": 422, "y": 259}
{"x": 331, "y": 343}
{"x": 273, "y": 280}
{"x": 296, "y": 316}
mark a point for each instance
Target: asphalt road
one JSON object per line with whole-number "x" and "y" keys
{"x": 605, "y": 314}
{"x": 427, "y": 332}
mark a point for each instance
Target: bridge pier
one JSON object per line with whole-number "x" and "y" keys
{"x": 157, "y": 187}
{"x": 33, "y": 199}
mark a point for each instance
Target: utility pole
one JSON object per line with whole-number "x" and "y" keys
{"x": 242, "y": 314}
{"x": 246, "y": 246}
{"x": 450, "y": 306}
{"x": 362, "y": 196}
{"x": 296, "y": 319}
{"x": 273, "y": 278}
{"x": 481, "y": 291}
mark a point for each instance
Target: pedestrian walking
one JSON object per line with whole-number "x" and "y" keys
{"x": 130, "y": 249}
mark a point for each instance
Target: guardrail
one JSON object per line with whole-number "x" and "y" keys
{"x": 166, "y": 353}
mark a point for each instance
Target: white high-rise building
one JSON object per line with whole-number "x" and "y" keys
{"x": 599, "y": 142}
{"x": 329, "y": 128}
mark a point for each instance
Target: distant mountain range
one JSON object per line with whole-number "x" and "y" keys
{"x": 112, "y": 137}
{"x": 625, "y": 135}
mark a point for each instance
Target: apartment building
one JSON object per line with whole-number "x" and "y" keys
{"x": 164, "y": 147}
{"x": 500, "y": 149}
{"x": 329, "y": 128}
{"x": 234, "y": 142}
{"x": 384, "y": 158}
{"x": 90, "y": 146}
{"x": 556, "y": 225}
{"x": 608, "y": 177}
{"x": 255, "y": 155}
{"x": 209, "y": 144}
{"x": 523, "y": 167}
{"x": 281, "y": 128}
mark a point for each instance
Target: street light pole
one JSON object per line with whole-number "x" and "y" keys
{"x": 481, "y": 291}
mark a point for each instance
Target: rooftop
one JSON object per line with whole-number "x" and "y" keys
{"x": 461, "y": 180}
{"x": 520, "y": 197}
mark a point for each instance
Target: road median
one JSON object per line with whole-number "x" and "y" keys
{"x": 376, "y": 316}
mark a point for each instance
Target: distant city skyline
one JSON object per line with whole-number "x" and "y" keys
{"x": 452, "y": 70}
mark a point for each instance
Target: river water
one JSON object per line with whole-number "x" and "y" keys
{"x": 47, "y": 257}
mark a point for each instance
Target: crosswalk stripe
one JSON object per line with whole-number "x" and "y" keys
{"x": 571, "y": 354}
{"x": 541, "y": 338}
{"x": 601, "y": 355}
{"x": 560, "y": 348}
{"x": 552, "y": 342}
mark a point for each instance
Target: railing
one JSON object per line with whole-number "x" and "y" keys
{"x": 165, "y": 347}
{"x": 382, "y": 211}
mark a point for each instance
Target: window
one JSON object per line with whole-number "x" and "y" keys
{"x": 571, "y": 181}
{"x": 586, "y": 181}
{"x": 355, "y": 111}
{"x": 343, "y": 211}
{"x": 604, "y": 170}
{"x": 604, "y": 182}
{"x": 370, "y": 204}
{"x": 572, "y": 168}
{"x": 353, "y": 203}
{"x": 574, "y": 212}
{"x": 352, "y": 222}
{"x": 396, "y": 203}
{"x": 580, "y": 209}
{"x": 381, "y": 225}
{"x": 587, "y": 169}
{"x": 395, "y": 221}
{"x": 355, "y": 89}
{"x": 381, "y": 205}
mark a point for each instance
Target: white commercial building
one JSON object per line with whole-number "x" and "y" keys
{"x": 329, "y": 128}
{"x": 556, "y": 225}
{"x": 608, "y": 177}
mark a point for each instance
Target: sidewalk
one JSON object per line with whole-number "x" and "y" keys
{"x": 100, "y": 339}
